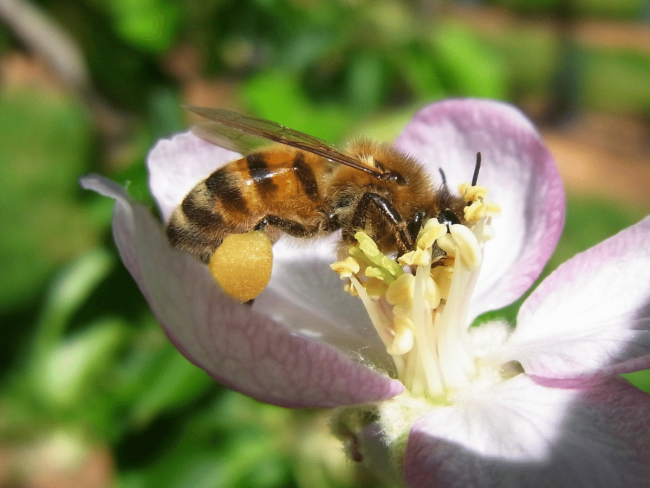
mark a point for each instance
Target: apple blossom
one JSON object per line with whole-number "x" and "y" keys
{"x": 456, "y": 405}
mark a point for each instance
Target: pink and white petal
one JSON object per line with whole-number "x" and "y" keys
{"x": 591, "y": 317}
{"x": 245, "y": 350}
{"x": 527, "y": 434}
{"x": 175, "y": 165}
{"x": 521, "y": 177}
{"x": 303, "y": 285}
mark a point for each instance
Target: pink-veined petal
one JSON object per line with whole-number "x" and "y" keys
{"x": 528, "y": 434}
{"x": 591, "y": 317}
{"x": 245, "y": 350}
{"x": 520, "y": 175}
{"x": 308, "y": 297}
{"x": 175, "y": 165}
{"x": 302, "y": 287}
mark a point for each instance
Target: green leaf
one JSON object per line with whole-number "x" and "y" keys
{"x": 474, "y": 69}
{"x": 147, "y": 24}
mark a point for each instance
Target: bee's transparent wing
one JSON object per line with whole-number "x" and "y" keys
{"x": 228, "y": 137}
{"x": 233, "y": 130}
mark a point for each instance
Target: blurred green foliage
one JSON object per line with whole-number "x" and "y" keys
{"x": 82, "y": 354}
{"x": 38, "y": 175}
{"x": 620, "y": 9}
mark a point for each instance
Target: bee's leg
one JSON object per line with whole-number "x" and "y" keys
{"x": 291, "y": 227}
{"x": 404, "y": 240}
{"x": 261, "y": 225}
{"x": 414, "y": 224}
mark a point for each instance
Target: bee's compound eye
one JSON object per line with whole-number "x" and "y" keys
{"x": 242, "y": 264}
{"x": 448, "y": 217}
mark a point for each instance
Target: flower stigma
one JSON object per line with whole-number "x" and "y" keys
{"x": 419, "y": 303}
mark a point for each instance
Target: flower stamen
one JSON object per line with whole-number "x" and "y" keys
{"x": 420, "y": 309}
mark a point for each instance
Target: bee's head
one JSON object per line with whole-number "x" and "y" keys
{"x": 448, "y": 217}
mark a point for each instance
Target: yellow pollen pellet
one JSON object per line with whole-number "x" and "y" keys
{"x": 401, "y": 289}
{"x": 346, "y": 268}
{"x": 242, "y": 264}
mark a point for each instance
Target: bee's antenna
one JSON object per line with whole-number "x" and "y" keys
{"x": 444, "y": 178}
{"x": 476, "y": 168}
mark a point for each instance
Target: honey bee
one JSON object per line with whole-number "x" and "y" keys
{"x": 303, "y": 187}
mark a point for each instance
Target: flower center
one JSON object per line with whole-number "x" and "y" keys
{"x": 419, "y": 303}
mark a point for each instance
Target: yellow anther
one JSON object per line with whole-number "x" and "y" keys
{"x": 406, "y": 259}
{"x": 447, "y": 244}
{"x": 403, "y": 309}
{"x": 467, "y": 246}
{"x": 403, "y": 341}
{"x": 401, "y": 289}
{"x": 432, "y": 293}
{"x": 443, "y": 275}
{"x": 358, "y": 255}
{"x": 346, "y": 268}
{"x": 472, "y": 193}
{"x": 372, "y": 252}
{"x": 432, "y": 231}
{"x": 493, "y": 209}
{"x": 475, "y": 211}
{"x": 415, "y": 258}
{"x": 379, "y": 273}
{"x": 375, "y": 288}
{"x": 348, "y": 287}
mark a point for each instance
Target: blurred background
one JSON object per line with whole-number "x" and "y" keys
{"x": 91, "y": 393}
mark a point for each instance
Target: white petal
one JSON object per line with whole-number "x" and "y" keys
{"x": 308, "y": 297}
{"x": 520, "y": 175}
{"x": 522, "y": 434}
{"x": 239, "y": 347}
{"x": 592, "y": 315}
{"x": 175, "y": 165}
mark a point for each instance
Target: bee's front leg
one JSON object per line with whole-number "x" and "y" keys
{"x": 390, "y": 213}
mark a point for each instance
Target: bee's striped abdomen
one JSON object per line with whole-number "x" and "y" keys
{"x": 224, "y": 189}
{"x": 261, "y": 175}
{"x": 305, "y": 176}
{"x": 236, "y": 197}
